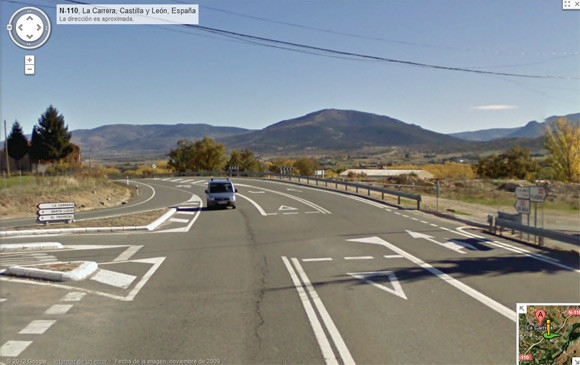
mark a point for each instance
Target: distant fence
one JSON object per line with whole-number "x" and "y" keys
{"x": 328, "y": 183}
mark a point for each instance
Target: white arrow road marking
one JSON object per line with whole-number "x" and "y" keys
{"x": 450, "y": 245}
{"x": 498, "y": 307}
{"x": 518, "y": 250}
{"x": 285, "y": 207}
{"x": 364, "y": 276}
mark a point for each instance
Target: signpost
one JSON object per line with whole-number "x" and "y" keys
{"x": 56, "y": 212}
{"x": 527, "y": 194}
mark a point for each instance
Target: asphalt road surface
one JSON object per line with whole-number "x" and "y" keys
{"x": 293, "y": 275}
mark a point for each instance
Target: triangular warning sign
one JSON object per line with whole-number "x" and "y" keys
{"x": 285, "y": 207}
{"x": 365, "y": 276}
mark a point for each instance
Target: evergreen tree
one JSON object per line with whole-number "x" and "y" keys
{"x": 50, "y": 138}
{"x": 17, "y": 142}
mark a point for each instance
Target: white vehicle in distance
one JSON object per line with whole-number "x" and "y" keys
{"x": 221, "y": 192}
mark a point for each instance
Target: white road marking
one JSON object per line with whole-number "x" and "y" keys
{"x": 272, "y": 214}
{"x": 58, "y": 309}
{"x": 296, "y": 190}
{"x": 301, "y": 200}
{"x": 328, "y": 322}
{"x": 312, "y": 212}
{"x": 415, "y": 219}
{"x": 183, "y": 186}
{"x": 406, "y": 216}
{"x": 317, "y": 259}
{"x": 397, "y": 288}
{"x": 290, "y": 213}
{"x": 157, "y": 261}
{"x": 37, "y": 327}
{"x": 433, "y": 225}
{"x": 449, "y": 245}
{"x": 3, "y": 300}
{"x": 518, "y": 250}
{"x": 397, "y": 213}
{"x": 194, "y": 198}
{"x": 178, "y": 220}
{"x": 424, "y": 222}
{"x": 73, "y": 296}
{"x": 319, "y": 334}
{"x": 498, "y": 307}
{"x": 256, "y": 192}
{"x": 260, "y": 209}
{"x": 113, "y": 278}
{"x": 359, "y": 258}
{"x": 185, "y": 212}
{"x": 392, "y": 256}
{"x": 285, "y": 207}
{"x": 130, "y": 251}
{"x": 13, "y": 348}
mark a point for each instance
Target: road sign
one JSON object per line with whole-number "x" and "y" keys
{"x": 55, "y": 205}
{"x": 56, "y": 217}
{"x": 56, "y": 211}
{"x": 522, "y": 206}
{"x": 154, "y": 166}
{"x": 523, "y": 192}
{"x": 538, "y": 194}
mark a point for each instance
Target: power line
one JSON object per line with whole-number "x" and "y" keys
{"x": 321, "y": 51}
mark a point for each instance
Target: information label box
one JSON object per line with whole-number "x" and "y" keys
{"x": 127, "y": 14}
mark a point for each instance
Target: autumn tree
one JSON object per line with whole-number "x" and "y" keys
{"x": 244, "y": 160}
{"x": 306, "y": 166}
{"x": 203, "y": 155}
{"x": 562, "y": 141}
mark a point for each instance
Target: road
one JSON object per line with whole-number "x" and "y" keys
{"x": 293, "y": 275}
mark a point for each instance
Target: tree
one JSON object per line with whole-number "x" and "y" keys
{"x": 50, "y": 138}
{"x": 306, "y": 166}
{"x": 274, "y": 166}
{"x": 182, "y": 158}
{"x": 203, "y": 155}
{"x": 562, "y": 141}
{"x": 515, "y": 163}
{"x": 17, "y": 143}
{"x": 244, "y": 160}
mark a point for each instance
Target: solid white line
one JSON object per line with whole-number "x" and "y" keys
{"x": 359, "y": 258}
{"x": 73, "y": 297}
{"x": 58, "y": 309}
{"x": 156, "y": 263}
{"x": 319, "y": 334}
{"x": 260, "y": 209}
{"x": 317, "y": 259}
{"x": 37, "y": 327}
{"x": 178, "y": 220}
{"x": 498, "y": 307}
{"x": 126, "y": 255}
{"x": 13, "y": 348}
{"x": 113, "y": 278}
{"x": 392, "y": 256}
{"x": 272, "y": 214}
{"x": 328, "y": 323}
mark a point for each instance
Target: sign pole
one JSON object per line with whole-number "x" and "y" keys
{"x": 6, "y": 150}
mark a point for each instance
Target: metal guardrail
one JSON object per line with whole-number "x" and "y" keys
{"x": 308, "y": 179}
{"x": 504, "y": 221}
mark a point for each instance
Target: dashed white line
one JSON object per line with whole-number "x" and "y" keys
{"x": 73, "y": 296}
{"x": 293, "y": 213}
{"x": 392, "y": 256}
{"x": 37, "y": 327}
{"x": 178, "y": 220}
{"x": 3, "y": 300}
{"x": 317, "y": 259}
{"x": 13, "y": 348}
{"x": 433, "y": 225}
{"x": 424, "y": 222}
{"x": 404, "y": 215}
{"x": 58, "y": 309}
{"x": 397, "y": 213}
{"x": 415, "y": 219}
{"x": 359, "y": 258}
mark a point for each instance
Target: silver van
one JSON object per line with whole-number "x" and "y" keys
{"x": 221, "y": 192}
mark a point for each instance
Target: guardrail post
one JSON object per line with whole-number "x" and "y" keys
{"x": 383, "y": 196}
{"x": 357, "y": 189}
{"x": 326, "y": 183}
{"x": 336, "y": 185}
{"x": 418, "y": 204}
{"x": 399, "y": 197}
{"x": 316, "y": 182}
{"x": 369, "y": 191}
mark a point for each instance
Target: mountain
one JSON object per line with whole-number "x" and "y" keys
{"x": 337, "y": 130}
{"x": 533, "y": 129}
{"x": 143, "y": 140}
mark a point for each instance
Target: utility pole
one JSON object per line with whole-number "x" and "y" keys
{"x": 6, "y": 149}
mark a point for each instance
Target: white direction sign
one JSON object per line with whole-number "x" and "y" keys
{"x": 522, "y": 206}
{"x": 56, "y": 211}
{"x": 56, "y": 205}
{"x": 523, "y": 192}
{"x": 366, "y": 277}
{"x": 538, "y": 194}
{"x": 56, "y": 217}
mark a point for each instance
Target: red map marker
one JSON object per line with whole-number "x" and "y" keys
{"x": 540, "y": 315}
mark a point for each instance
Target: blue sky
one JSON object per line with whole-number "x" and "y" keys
{"x": 136, "y": 74}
